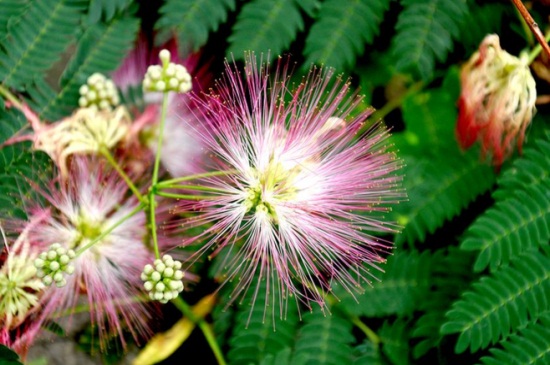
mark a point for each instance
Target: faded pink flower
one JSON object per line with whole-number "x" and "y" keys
{"x": 182, "y": 152}
{"x": 304, "y": 189}
{"x": 497, "y": 101}
{"x": 20, "y": 290}
{"x": 84, "y": 208}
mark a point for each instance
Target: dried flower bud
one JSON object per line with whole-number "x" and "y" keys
{"x": 52, "y": 265}
{"x": 497, "y": 101}
{"x": 163, "y": 279}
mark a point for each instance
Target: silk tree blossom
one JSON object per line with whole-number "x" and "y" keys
{"x": 304, "y": 189}
{"x": 20, "y": 291}
{"x": 93, "y": 206}
{"x": 182, "y": 151}
{"x": 497, "y": 101}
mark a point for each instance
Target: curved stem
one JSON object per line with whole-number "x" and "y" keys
{"x": 110, "y": 229}
{"x": 203, "y": 325}
{"x": 371, "y": 335}
{"x": 105, "y": 152}
{"x": 390, "y": 106}
{"x": 10, "y": 97}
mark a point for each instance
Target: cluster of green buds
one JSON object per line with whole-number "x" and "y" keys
{"x": 167, "y": 77}
{"x": 163, "y": 279}
{"x": 53, "y": 264}
{"x": 98, "y": 92}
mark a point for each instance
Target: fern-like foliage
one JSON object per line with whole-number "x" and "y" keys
{"x": 192, "y": 20}
{"x": 510, "y": 227}
{"x": 12, "y": 10}
{"x": 501, "y": 303}
{"x": 451, "y": 276}
{"x": 367, "y": 353}
{"x": 106, "y": 8}
{"x": 439, "y": 178}
{"x": 531, "y": 346}
{"x": 100, "y": 49}
{"x": 532, "y": 169}
{"x": 265, "y": 26}
{"x": 35, "y": 42}
{"x": 425, "y": 29}
{"x": 341, "y": 31}
{"x": 18, "y": 166}
{"x": 324, "y": 340}
{"x": 403, "y": 286}
{"x": 520, "y": 219}
{"x": 394, "y": 336}
{"x": 262, "y": 330}
{"x": 481, "y": 20}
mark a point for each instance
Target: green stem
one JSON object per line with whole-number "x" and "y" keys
{"x": 183, "y": 196}
{"x": 153, "y": 222}
{"x": 10, "y": 97}
{"x": 536, "y": 50}
{"x": 392, "y": 104}
{"x": 193, "y": 187}
{"x": 203, "y": 325}
{"x": 154, "y": 182}
{"x": 170, "y": 182}
{"x": 112, "y": 228}
{"x": 105, "y": 152}
{"x": 371, "y": 335}
{"x": 160, "y": 137}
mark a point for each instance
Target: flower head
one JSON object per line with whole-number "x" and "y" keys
{"x": 20, "y": 290}
{"x": 85, "y": 132}
{"x": 92, "y": 214}
{"x": 497, "y": 101}
{"x": 303, "y": 189}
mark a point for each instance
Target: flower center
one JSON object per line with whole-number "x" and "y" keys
{"x": 268, "y": 188}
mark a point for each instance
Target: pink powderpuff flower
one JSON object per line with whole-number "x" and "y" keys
{"x": 20, "y": 289}
{"x": 304, "y": 188}
{"x": 497, "y": 101}
{"x": 91, "y": 206}
{"x": 182, "y": 152}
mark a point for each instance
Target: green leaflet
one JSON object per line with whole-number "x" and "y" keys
{"x": 341, "y": 31}
{"x": 265, "y": 26}
{"x": 192, "y": 20}
{"x": 425, "y": 30}
{"x": 498, "y": 304}
{"x": 100, "y": 49}
{"x": 529, "y": 346}
{"x": 36, "y": 41}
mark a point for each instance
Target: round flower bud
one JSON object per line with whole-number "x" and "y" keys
{"x": 53, "y": 264}
{"x": 99, "y": 92}
{"x": 163, "y": 280}
{"x": 167, "y": 77}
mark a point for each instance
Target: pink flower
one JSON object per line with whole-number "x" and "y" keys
{"x": 20, "y": 290}
{"x": 304, "y": 190}
{"x": 182, "y": 152}
{"x": 497, "y": 101}
{"x": 88, "y": 207}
